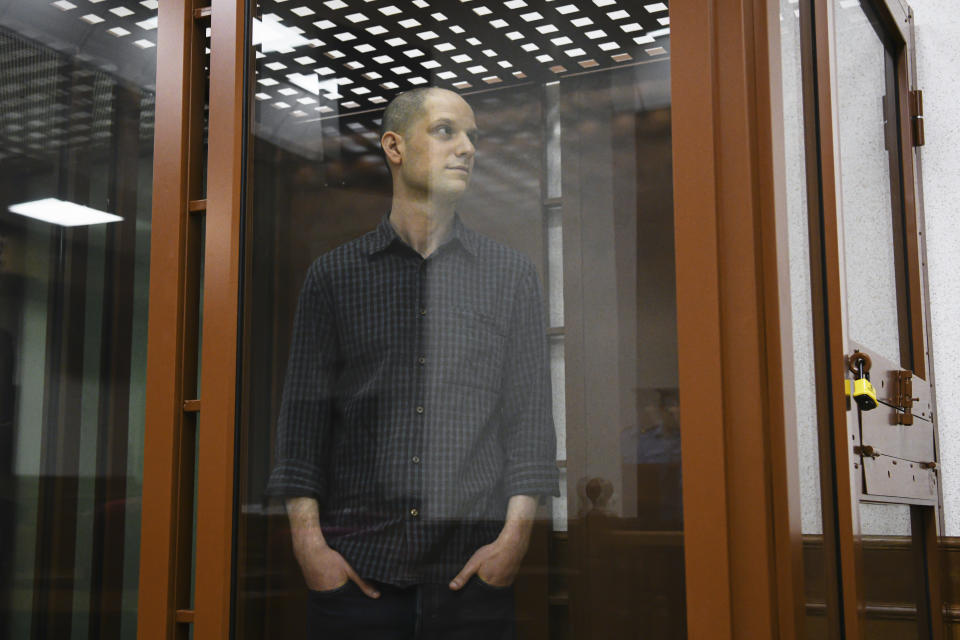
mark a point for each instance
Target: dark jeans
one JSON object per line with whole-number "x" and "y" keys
{"x": 478, "y": 611}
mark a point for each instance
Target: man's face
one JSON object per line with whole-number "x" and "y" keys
{"x": 438, "y": 147}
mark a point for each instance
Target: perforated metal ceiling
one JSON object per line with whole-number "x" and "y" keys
{"x": 325, "y": 69}
{"x": 340, "y": 56}
{"x": 60, "y": 62}
{"x": 318, "y": 59}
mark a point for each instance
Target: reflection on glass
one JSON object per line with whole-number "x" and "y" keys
{"x": 76, "y": 153}
{"x": 801, "y": 299}
{"x": 869, "y": 150}
{"x": 403, "y": 387}
{"x": 800, "y": 293}
{"x": 866, "y": 107}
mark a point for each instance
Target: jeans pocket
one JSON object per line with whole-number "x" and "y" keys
{"x": 493, "y": 587}
{"x": 331, "y": 592}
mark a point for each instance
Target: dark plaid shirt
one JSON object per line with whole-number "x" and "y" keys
{"x": 417, "y": 400}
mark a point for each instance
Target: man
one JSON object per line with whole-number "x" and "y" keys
{"x": 415, "y": 433}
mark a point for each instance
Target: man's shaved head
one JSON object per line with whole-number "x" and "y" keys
{"x": 404, "y": 108}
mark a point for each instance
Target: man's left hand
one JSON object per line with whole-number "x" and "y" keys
{"x": 496, "y": 563}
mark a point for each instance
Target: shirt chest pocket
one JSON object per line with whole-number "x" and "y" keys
{"x": 470, "y": 346}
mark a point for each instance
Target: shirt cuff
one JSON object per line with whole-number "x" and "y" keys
{"x": 532, "y": 479}
{"x": 296, "y": 479}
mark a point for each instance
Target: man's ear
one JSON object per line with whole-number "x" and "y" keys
{"x": 392, "y": 145}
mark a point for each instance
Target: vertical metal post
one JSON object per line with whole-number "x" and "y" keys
{"x": 164, "y": 607}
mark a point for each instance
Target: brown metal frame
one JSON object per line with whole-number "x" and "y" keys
{"x": 898, "y": 25}
{"x": 839, "y": 491}
{"x": 221, "y": 313}
{"x": 816, "y": 175}
{"x": 165, "y": 608}
{"x": 839, "y": 432}
{"x": 742, "y": 539}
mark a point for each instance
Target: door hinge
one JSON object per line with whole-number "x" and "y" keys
{"x": 916, "y": 117}
{"x": 903, "y": 396}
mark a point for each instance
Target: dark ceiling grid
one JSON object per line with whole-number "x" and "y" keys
{"x": 47, "y": 103}
{"x": 370, "y": 49}
{"x": 374, "y": 49}
{"x": 28, "y": 86}
{"x": 148, "y": 103}
{"x": 392, "y": 39}
{"x": 51, "y": 98}
{"x": 133, "y": 22}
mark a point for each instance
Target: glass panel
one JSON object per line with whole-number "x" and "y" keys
{"x": 866, "y": 105}
{"x": 527, "y": 347}
{"x": 815, "y": 559}
{"x": 884, "y": 519}
{"x": 76, "y": 144}
{"x": 869, "y": 152}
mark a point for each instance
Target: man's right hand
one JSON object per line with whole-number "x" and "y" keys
{"x": 323, "y": 568}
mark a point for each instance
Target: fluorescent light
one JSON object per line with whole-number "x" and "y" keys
{"x": 149, "y": 24}
{"x": 273, "y": 36}
{"x": 311, "y": 82}
{"x": 66, "y": 214}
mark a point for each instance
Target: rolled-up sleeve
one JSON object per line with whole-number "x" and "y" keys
{"x": 303, "y": 428}
{"x": 529, "y": 437}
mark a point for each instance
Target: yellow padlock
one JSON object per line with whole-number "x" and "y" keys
{"x": 863, "y": 392}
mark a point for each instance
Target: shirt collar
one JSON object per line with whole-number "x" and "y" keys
{"x": 385, "y": 235}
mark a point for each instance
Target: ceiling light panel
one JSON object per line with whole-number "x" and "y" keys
{"x": 63, "y": 213}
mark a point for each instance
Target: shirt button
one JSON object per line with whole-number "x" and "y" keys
{"x": 414, "y": 512}
{"x": 419, "y": 409}
{"x": 415, "y": 459}
{"x": 421, "y": 360}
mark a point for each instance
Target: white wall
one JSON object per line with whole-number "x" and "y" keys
{"x": 938, "y": 69}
